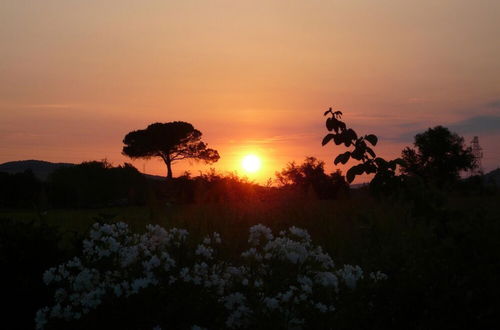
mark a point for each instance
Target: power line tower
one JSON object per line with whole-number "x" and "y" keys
{"x": 477, "y": 151}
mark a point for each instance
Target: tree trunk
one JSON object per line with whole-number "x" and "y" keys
{"x": 169, "y": 168}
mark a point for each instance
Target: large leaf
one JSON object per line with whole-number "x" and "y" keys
{"x": 353, "y": 171}
{"x": 357, "y": 153}
{"x": 338, "y": 139}
{"x": 342, "y": 158}
{"x": 370, "y": 151}
{"x": 350, "y": 175}
{"x": 380, "y": 162}
{"x": 333, "y": 124}
{"x": 327, "y": 139}
{"x": 351, "y": 135}
{"x": 329, "y": 124}
{"x": 372, "y": 139}
{"x": 370, "y": 168}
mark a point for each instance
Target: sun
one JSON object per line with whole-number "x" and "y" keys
{"x": 251, "y": 163}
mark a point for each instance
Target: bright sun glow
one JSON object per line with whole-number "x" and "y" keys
{"x": 251, "y": 163}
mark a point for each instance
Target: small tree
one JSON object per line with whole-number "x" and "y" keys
{"x": 171, "y": 142}
{"x": 439, "y": 156}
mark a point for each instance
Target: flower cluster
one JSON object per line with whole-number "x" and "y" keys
{"x": 284, "y": 279}
{"x": 115, "y": 262}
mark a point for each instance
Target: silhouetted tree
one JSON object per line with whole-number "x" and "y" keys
{"x": 171, "y": 142}
{"x": 439, "y": 156}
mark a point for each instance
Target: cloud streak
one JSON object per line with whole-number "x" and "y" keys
{"x": 477, "y": 125}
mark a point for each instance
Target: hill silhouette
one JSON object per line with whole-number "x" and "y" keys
{"x": 493, "y": 177}
{"x": 41, "y": 169}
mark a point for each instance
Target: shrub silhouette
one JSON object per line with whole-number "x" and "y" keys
{"x": 171, "y": 142}
{"x": 311, "y": 175}
{"x": 369, "y": 163}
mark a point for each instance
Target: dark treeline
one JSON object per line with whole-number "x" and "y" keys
{"x": 97, "y": 184}
{"x": 89, "y": 184}
{"x": 20, "y": 189}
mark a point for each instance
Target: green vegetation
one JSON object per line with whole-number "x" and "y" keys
{"x": 432, "y": 260}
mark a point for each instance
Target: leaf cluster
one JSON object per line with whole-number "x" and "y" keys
{"x": 361, "y": 150}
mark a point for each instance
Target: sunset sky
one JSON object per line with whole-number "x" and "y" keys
{"x": 253, "y": 76}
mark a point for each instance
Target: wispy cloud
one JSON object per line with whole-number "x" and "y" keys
{"x": 477, "y": 125}
{"x": 280, "y": 138}
{"x": 45, "y": 106}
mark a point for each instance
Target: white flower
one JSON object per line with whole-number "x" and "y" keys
{"x": 204, "y": 251}
{"x": 327, "y": 279}
{"x": 271, "y": 303}
{"x": 378, "y": 276}
{"x": 48, "y": 276}
{"x": 41, "y": 318}
{"x": 134, "y": 262}
{"x": 300, "y": 233}
{"x": 233, "y": 300}
{"x": 350, "y": 275}
{"x": 217, "y": 238}
{"x": 321, "y": 307}
{"x": 196, "y": 327}
{"x": 258, "y": 231}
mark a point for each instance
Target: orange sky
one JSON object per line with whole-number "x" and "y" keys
{"x": 253, "y": 76}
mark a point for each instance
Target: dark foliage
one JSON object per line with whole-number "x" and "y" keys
{"x": 443, "y": 273}
{"x": 438, "y": 157}
{"x": 171, "y": 142}
{"x": 310, "y": 177}
{"x": 27, "y": 250}
{"x": 209, "y": 187}
{"x": 385, "y": 171}
{"x": 96, "y": 184}
{"x": 19, "y": 190}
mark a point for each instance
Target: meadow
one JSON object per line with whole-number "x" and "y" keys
{"x": 441, "y": 263}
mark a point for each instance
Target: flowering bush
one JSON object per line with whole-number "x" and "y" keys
{"x": 284, "y": 281}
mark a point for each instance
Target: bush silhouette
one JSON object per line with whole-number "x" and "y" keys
{"x": 311, "y": 175}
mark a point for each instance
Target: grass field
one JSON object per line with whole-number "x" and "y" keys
{"x": 442, "y": 265}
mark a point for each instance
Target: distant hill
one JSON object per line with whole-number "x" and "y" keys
{"x": 493, "y": 177}
{"x": 40, "y": 168}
